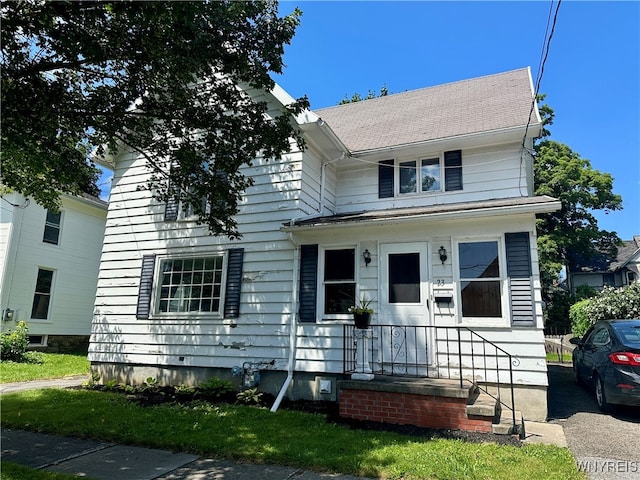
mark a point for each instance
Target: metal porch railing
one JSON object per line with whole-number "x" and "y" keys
{"x": 455, "y": 353}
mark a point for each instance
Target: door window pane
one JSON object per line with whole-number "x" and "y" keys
{"x": 42, "y": 295}
{"x": 404, "y": 278}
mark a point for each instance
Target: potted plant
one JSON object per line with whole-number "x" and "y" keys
{"x": 362, "y": 313}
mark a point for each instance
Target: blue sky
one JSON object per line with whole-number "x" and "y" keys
{"x": 591, "y": 76}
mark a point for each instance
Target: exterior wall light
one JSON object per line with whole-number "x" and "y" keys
{"x": 443, "y": 254}
{"x": 367, "y": 257}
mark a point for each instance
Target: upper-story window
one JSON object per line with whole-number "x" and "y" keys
{"x": 419, "y": 176}
{"x": 52, "y": 227}
{"x": 431, "y": 174}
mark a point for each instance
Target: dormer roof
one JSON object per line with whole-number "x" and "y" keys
{"x": 494, "y": 103}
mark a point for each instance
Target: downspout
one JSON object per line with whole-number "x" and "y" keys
{"x": 293, "y": 343}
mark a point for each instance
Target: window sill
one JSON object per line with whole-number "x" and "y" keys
{"x": 186, "y": 318}
{"x": 489, "y": 322}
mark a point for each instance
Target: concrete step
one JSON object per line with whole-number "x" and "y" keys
{"x": 504, "y": 424}
{"x": 482, "y": 405}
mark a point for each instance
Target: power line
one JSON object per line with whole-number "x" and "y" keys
{"x": 544, "y": 54}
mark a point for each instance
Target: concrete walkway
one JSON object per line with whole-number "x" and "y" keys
{"x": 106, "y": 461}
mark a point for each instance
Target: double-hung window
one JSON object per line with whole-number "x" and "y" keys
{"x": 442, "y": 173}
{"x": 42, "y": 295}
{"x": 52, "y": 227}
{"x": 419, "y": 176}
{"x": 481, "y": 279}
{"x": 339, "y": 282}
{"x": 191, "y": 285}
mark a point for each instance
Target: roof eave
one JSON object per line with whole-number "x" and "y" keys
{"x": 549, "y": 206}
{"x": 503, "y": 135}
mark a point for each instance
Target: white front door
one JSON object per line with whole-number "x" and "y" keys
{"x": 404, "y": 305}
{"x": 403, "y": 285}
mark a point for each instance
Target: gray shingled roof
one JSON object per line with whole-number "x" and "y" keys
{"x": 625, "y": 252}
{"x": 483, "y": 104}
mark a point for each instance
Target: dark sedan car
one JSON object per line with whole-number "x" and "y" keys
{"x": 607, "y": 359}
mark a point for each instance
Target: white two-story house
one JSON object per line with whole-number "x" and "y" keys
{"x": 421, "y": 202}
{"x": 49, "y": 268}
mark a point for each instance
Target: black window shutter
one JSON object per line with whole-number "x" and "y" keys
{"x": 385, "y": 178}
{"x": 308, "y": 282}
{"x": 520, "y": 281}
{"x": 146, "y": 286}
{"x": 171, "y": 207}
{"x": 453, "y": 170}
{"x": 234, "y": 283}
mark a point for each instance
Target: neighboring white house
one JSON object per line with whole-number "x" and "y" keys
{"x": 421, "y": 201}
{"x": 49, "y": 268}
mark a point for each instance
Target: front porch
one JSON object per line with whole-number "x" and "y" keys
{"x": 427, "y": 376}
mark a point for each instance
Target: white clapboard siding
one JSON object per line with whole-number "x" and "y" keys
{"x": 74, "y": 261}
{"x": 487, "y": 173}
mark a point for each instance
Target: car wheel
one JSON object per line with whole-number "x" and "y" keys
{"x": 601, "y": 398}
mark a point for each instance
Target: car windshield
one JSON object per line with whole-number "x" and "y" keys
{"x": 629, "y": 333}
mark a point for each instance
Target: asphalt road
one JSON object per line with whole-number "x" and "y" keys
{"x": 606, "y": 446}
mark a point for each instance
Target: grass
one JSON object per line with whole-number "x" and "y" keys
{"x": 555, "y": 357}
{"x": 256, "y": 435}
{"x": 44, "y": 365}
{"x": 13, "y": 471}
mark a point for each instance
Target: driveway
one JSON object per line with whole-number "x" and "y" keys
{"x": 606, "y": 446}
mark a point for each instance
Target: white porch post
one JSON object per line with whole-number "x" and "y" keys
{"x": 363, "y": 354}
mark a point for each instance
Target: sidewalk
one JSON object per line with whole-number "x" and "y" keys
{"x": 107, "y": 461}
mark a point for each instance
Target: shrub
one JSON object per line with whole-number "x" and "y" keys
{"x": 611, "y": 303}
{"x": 580, "y": 321}
{"x": 250, "y": 396}
{"x": 215, "y": 387}
{"x": 14, "y": 343}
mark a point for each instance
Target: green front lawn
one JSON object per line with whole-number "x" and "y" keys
{"x": 256, "y": 435}
{"x": 13, "y": 471}
{"x": 42, "y": 366}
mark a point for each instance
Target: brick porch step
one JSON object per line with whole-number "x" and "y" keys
{"x": 424, "y": 402}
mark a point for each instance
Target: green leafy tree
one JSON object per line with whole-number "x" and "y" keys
{"x": 356, "y": 97}
{"x": 157, "y": 78}
{"x": 572, "y": 233}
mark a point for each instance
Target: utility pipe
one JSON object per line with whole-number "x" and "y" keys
{"x": 293, "y": 337}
